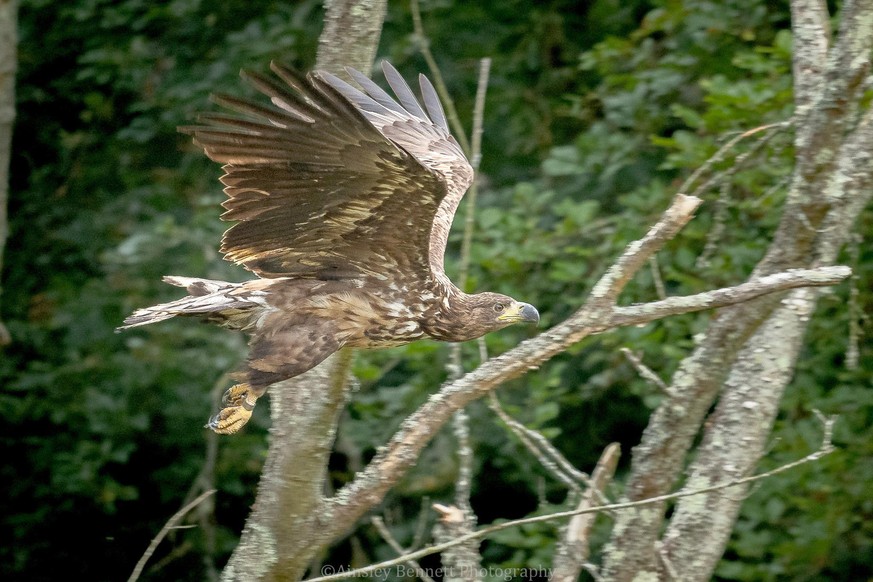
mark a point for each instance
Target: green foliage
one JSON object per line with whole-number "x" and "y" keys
{"x": 595, "y": 116}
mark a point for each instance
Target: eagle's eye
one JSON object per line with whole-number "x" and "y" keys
{"x": 499, "y": 307}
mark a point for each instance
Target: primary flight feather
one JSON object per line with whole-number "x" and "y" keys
{"x": 343, "y": 199}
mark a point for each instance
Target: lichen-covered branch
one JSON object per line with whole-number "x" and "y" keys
{"x": 818, "y": 277}
{"x": 812, "y": 36}
{"x": 572, "y": 549}
{"x": 351, "y": 34}
{"x": 736, "y": 438}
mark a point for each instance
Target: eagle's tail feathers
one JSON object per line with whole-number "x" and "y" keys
{"x": 207, "y": 298}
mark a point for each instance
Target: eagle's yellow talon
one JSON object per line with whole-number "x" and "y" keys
{"x": 238, "y": 405}
{"x": 229, "y": 420}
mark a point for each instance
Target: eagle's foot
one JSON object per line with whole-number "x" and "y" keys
{"x": 238, "y": 404}
{"x": 236, "y": 395}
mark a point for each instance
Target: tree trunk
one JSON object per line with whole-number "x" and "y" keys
{"x": 8, "y": 64}
{"x": 285, "y": 531}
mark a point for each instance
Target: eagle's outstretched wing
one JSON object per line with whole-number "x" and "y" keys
{"x": 333, "y": 183}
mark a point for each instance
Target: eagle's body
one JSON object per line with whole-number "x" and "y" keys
{"x": 344, "y": 200}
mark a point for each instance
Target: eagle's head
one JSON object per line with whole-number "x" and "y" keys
{"x": 467, "y": 317}
{"x": 486, "y": 312}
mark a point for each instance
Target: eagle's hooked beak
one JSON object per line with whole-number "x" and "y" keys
{"x": 520, "y": 312}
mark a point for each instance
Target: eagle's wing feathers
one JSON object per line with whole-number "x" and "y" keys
{"x": 432, "y": 103}
{"x": 429, "y": 142}
{"x": 322, "y": 190}
{"x": 403, "y": 92}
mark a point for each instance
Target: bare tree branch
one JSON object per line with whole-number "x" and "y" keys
{"x": 383, "y": 530}
{"x": 643, "y": 313}
{"x": 548, "y": 456}
{"x": 572, "y": 550}
{"x": 644, "y": 371}
{"x": 171, "y": 523}
{"x": 825, "y": 449}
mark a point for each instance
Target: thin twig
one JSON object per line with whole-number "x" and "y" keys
{"x": 476, "y": 158}
{"x": 825, "y": 449}
{"x": 680, "y": 212}
{"x": 171, "y": 524}
{"x": 644, "y": 371}
{"x": 660, "y": 290}
{"x": 479, "y": 113}
{"x": 719, "y": 224}
{"x": 720, "y": 154}
{"x": 720, "y": 212}
{"x": 466, "y": 559}
{"x": 383, "y": 530}
{"x": 483, "y": 349}
{"x": 421, "y": 524}
{"x": 742, "y": 158}
{"x": 439, "y": 84}
{"x": 547, "y": 455}
{"x": 856, "y": 313}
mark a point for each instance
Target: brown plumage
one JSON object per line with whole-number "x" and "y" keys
{"x": 343, "y": 200}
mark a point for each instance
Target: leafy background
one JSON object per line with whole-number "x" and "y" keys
{"x": 596, "y": 112}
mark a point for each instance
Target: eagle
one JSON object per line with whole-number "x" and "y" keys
{"x": 343, "y": 198}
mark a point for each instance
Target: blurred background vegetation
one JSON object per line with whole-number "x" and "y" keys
{"x": 596, "y": 111}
